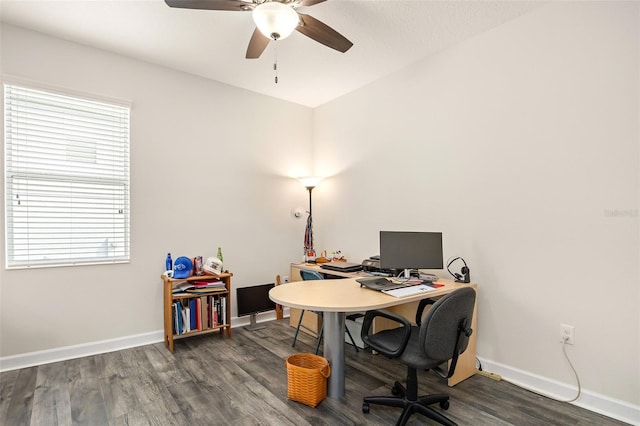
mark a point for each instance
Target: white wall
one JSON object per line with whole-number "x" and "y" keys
{"x": 521, "y": 146}
{"x": 209, "y": 167}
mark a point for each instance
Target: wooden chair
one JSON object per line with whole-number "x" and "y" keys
{"x": 278, "y": 306}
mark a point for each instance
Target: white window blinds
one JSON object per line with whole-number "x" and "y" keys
{"x": 67, "y": 179}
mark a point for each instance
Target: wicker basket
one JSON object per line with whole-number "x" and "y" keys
{"x": 307, "y": 378}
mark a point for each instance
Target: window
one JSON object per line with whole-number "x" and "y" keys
{"x": 67, "y": 179}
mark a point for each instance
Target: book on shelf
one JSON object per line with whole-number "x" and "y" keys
{"x": 209, "y": 311}
{"x": 177, "y": 318}
{"x": 193, "y": 325}
{"x": 223, "y": 306}
{"x": 219, "y": 311}
{"x": 187, "y": 286}
{"x": 186, "y": 318}
{"x": 211, "y": 284}
{"x": 203, "y": 312}
{"x": 205, "y": 290}
{"x": 182, "y": 287}
{"x": 198, "y": 314}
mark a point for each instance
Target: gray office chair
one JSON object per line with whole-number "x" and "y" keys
{"x": 313, "y": 275}
{"x": 441, "y": 337}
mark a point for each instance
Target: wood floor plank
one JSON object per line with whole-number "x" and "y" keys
{"x": 7, "y": 381}
{"x": 51, "y": 402}
{"x": 214, "y": 380}
{"x": 21, "y": 400}
{"x": 167, "y": 370}
{"x": 119, "y": 395}
{"x": 87, "y": 402}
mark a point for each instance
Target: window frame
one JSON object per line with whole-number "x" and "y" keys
{"x": 95, "y": 181}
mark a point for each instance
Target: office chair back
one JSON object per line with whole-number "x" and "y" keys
{"x": 446, "y": 328}
{"x": 310, "y": 275}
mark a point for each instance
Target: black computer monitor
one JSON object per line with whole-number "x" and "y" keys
{"x": 410, "y": 250}
{"x": 253, "y": 300}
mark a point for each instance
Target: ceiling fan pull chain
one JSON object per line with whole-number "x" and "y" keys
{"x": 275, "y": 62}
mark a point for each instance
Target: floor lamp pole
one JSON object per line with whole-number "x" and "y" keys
{"x": 310, "y": 188}
{"x": 310, "y": 254}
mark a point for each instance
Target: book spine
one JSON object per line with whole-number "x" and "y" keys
{"x": 203, "y": 312}
{"x": 174, "y": 318}
{"x": 198, "y": 314}
{"x": 182, "y": 318}
{"x": 223, "y": 306}
{"x": 209, "y": 313}
{"x": 215, "y": 311}
{"x": 193, "y": 321}
{"x": 186, "y": 317}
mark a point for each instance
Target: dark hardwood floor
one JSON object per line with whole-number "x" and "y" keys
{"x": 212, "y": 380}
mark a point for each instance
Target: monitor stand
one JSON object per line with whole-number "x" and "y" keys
{"x": 253, "y": 325}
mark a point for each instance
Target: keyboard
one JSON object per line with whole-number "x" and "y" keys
{"x": 379, "y": 274}
{"x": 342, "y": 266}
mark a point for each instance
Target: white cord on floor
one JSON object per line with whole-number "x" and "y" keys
{"x": 564, "y": 342}
{"x": 564, "y": 351}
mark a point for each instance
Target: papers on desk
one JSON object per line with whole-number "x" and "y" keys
{"x": 408, "y": 291}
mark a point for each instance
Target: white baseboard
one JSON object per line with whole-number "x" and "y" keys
{"x": 48, "y": 356}
{"x": 266, "y": 316}
{"x": 592, "y": 401}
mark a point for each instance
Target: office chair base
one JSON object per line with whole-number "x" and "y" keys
{"x": 420, "y": 405}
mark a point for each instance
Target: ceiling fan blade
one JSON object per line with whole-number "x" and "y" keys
{"x": 310, "y": 2}
{"x": 322, "y": 33}
{"x": 232, "y": 5}
{"x": 257, "y": 44}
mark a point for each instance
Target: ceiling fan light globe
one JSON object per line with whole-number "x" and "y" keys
{"x": 275, "y": 20}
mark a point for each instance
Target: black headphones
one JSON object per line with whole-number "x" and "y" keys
{"x": 465, "y": 277}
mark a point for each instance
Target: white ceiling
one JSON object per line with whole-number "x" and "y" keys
{"x": 387, "y": 36}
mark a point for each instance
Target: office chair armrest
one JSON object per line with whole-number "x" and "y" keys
{"x": 395, "y": 345}
{"x": 423, "y": 304}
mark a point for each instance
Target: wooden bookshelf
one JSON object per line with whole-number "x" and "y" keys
{"x": 182, "y": 299}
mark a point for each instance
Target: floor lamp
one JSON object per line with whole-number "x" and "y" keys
{"x": 309, "y": 253}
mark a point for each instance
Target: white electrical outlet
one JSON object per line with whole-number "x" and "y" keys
{"x": 285, "y": 279}
{"x": 567, "y": 334}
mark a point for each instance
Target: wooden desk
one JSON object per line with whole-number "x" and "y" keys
{"x": 336, "y": 297}
{"x": 312, "y": 321}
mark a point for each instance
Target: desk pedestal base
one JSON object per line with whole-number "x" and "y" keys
{"x": 334, "y": 352}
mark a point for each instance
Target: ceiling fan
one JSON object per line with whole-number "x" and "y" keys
{"x": 275, "y": 20}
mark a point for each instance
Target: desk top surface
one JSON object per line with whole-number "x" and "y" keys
{"x": 346, "y": 295}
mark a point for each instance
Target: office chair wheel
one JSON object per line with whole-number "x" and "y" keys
{"x": 395, "y": 390}
{"x": 365, "y": 408}
{"x": 444, "y": 405}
